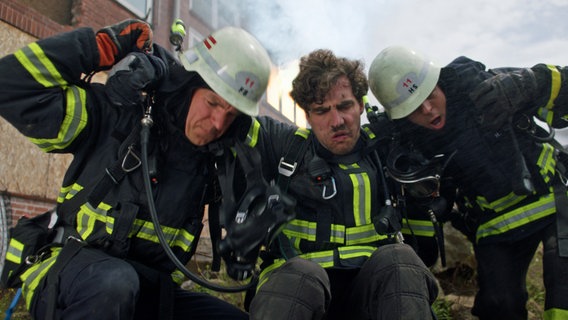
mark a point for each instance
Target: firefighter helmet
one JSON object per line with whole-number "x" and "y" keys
{"x": 234, "y": 64}
{"x": 401, "y": 79}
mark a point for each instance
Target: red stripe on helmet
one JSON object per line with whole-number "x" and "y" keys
{"x": 209, "y": 45}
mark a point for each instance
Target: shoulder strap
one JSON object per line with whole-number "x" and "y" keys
{"x": 128, "y": 161}
{"x": 289, "y": 162}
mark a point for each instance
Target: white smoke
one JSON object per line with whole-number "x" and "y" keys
{"x": 290, "y": 29}
{"x": 506, "y": 32}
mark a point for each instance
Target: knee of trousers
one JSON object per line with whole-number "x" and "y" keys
{"x": 89, "y": 281}
{"x": 298, "y": 272}
{"x": 400, "y": 261}
{"x": 396, "y": 254}
{"x": 299, "y": 286}
{"x": 122, "y": 282}
{"x": 112, "y": 279}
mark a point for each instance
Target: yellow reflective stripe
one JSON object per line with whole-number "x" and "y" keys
{"x": 34, "y": 60}
{"x": 307, "y": 230}
{"x": 355, "y": 252}
{"x": 337, "y": 233}
{"x": 32, "y": 277}
{"x": 362, "y": 234}
{"x": 302, "y": 132}
{"x": 177, "y": 277}
{"x": 301, "y": 229}
{"x": 323, "y": 258}
{"x": 547, "y": 165}
{"x": 556, "y": 82}
{"x": 296, "y": 242}
{"x": 264, "y": 275}
{"x": 361, "y": 194}
{"x": 555, "y": 314}
{"x": 252, "y": 135}
{"x": 66, "y": 193}
{"x": 15, "y": 251}
{"x": 175, "y": 237}
{"x": 546, "y": 162}
{"x": 369, "y": 132}
{"x": 183, "y": 240}
{"x": 545, "y": 206}
{"x": 87, "y": 216}
{"x": 423, "y": 228}
{"x": 500, "y": 204}
{"x": 74, "y": 122}
{"x": 547, "y": 112}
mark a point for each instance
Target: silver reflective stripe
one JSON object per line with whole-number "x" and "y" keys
{"x": 518, "y": 217}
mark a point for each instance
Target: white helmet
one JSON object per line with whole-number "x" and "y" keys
{"x": 401, "y": 79}
{"x": 234, "y": 64}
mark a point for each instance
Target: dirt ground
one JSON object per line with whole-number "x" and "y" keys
{"x": 459, "y": 286}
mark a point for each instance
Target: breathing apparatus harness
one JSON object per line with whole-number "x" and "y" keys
{"x": 388, "y": 219}
{"x": 256, "y": 219}
{"x": 526, "y": 124}
{"x": 418, "y": 176}
{"x": 146, "y": 124}
{"x": 260, "y": 213}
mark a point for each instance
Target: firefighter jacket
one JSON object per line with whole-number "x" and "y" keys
{"x": 484, "y": 169}
{"x": 44, "y": 97}
{"x": 336, "y": 196}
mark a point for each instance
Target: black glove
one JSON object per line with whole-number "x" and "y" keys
{"x": 116, "y": 41}
{"x": 381, "y": 126}
{"x": 498, "y": 98}
{"x": 136, "y": 73}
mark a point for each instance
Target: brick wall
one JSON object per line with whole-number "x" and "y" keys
{"x": 32, "y": 190}
{"x": 32, "y": 184}
{"x": 28, "y": 19}
{"x": 95, "y": 14}
{"x": 21, "y": 206}
{"x": 27, "y": 207}
{"x": 92, "y": 13}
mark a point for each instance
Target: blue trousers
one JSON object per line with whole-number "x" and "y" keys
{"x": 94, "y": 285}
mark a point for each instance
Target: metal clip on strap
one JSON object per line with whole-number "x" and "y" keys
{"x": 286, "y": 169}
{"x": 333, "y": 192}
{"x": 126, "y": 165}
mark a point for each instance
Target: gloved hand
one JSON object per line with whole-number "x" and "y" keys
{"x": 382, "y": 127}
{"x": 498, "y": 98}
{"x": 116, "y": 41}
{"x": 136, "y": 73}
